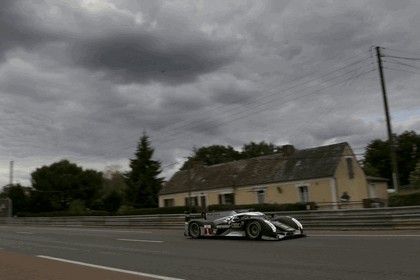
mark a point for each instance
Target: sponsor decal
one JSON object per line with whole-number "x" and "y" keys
{"x": 236, "y": 225}
{"x": 223, "y": 226}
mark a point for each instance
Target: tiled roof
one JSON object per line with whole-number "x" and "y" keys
{"x": 304, "y": 164}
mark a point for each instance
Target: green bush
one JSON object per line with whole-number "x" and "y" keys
{"x": 406, "y": 199}
{"x": 125, "y": 210}
{"x": 63, "y": 214}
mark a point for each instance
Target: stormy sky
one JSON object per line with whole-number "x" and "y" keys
{"x": 83, "y": 80}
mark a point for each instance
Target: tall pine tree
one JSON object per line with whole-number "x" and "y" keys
{"x": 143, "y": 183}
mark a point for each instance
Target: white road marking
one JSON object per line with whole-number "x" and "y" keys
{"x": 111, "y": 268}
{"x": 25, "y": 232}
{"x": 365, "y": 235}
{"x": 69, "y": 228}
{"x": 140, "y": 240}
{"x": 101, "y": 230}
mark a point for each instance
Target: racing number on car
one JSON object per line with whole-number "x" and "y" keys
{"x": 207, "y": 230}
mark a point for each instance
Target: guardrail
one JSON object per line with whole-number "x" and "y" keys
{"x": 374, "y": 218}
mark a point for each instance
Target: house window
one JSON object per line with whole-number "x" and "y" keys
{"x": 191, "y": 201}
{"x": 303, "y": 194}
{"x": 170, "y": 202}
{"x": 227, "y": 198}
{"x": 260, "y": 196}
{"x": 350, "y": 170}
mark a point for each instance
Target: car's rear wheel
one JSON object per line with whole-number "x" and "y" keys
{"x": 253, "y": 230}
{"x": 194, "y": 230}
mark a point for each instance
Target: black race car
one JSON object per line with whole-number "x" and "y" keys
{"x": 243, "y": 223}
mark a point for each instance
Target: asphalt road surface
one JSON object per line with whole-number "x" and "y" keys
{"x": 80, "y": 253}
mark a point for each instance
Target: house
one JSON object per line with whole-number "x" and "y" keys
{"x": 329, "y": 176}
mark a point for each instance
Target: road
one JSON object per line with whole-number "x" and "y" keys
{"x": 167, "y": 254}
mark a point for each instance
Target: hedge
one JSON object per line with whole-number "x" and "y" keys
{"x": 172, "y": 210}
{"x": 404, "y": 199}
{"x": 261, "y": 207}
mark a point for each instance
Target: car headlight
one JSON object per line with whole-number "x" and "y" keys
{"x": 298, "y": 223}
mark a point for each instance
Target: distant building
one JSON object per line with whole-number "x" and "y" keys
{"x": 319, "y": 175}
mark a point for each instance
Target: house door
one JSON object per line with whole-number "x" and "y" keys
{"x": 372, "y": 190}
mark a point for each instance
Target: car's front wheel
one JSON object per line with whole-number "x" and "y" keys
{"x": 194, "y": 230}
{"x": 253, "y": 230}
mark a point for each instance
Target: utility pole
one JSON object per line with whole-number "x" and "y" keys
{"x": 189, "y": 183}
{"x": 393, "y": 154}
{"x": 11, "y": 174}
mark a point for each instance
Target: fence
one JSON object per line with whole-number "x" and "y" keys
{"x": 373, "y": 218}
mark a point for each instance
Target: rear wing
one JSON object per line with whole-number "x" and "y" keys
{"x": 191, "y": 216}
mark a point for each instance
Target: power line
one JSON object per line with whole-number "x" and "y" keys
{"x": 319, "y": 80}
{"x": 400, "y": 51}
{"x": 401, "y": 57}
{"x": 291, "y": 96}
{"x": 402, "y": 70}
{"x": 302, "y": 87}
{"x": 276, "y": 95}
{"x": 393, "y": 61}
{"x": 193, "y": 123}
{"x": 247, "y": 111}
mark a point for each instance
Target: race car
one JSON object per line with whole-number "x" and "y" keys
{"x": 242, "y": 223}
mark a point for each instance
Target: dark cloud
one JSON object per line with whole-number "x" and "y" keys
{"x": 141, "y": 58}
{"x": 17, "y": 28}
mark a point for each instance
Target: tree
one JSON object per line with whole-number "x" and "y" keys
{"x": 261, "y": 149}
{"x": 211, "y": 155}
{"x": 112, "y": 201}
{"x": 113, "y": 180}
{"x": 377, "y": 156}
{"x": 415, "y": 177}
{"x": 377, "y": 159}
{"x": 143, "y": 183}
{"x": 217, "y": 154}
{"x": 56, "y": 186}
{"x": 408, "y": 153}
{"x": 19, "y": 196}
{"x": 112, "y": 192}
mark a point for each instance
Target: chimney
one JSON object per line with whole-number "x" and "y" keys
{"x": 287, "y": 150}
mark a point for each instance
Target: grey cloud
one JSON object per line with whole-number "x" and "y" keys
{"x": 17, "y": 28}
{"x": 176, "y": 53}
{"x": 339, "y": 127}
{"x": 231, "y": 94}
{"x": 141, "y": 58}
